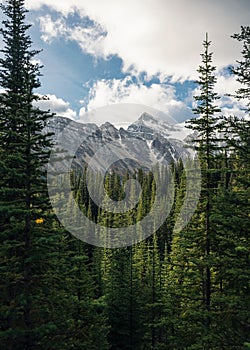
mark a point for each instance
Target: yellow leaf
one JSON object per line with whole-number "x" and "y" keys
{"x": 39, "y": 221}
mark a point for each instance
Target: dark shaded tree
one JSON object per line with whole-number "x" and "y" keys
{"x": 28, "y": 241}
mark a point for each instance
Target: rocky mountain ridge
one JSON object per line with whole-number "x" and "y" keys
{"x": 147, "y": 141}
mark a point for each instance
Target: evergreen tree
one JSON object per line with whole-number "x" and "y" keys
{"x": 192, "y": 255}
{"x": 152, "y": 308}
{"x": 118, "y": 300}
{"x": 231, "y": 216}
{"x": 242, "y": 71}
{"x": 28, "y": 242}
{"x": 206, "y": 144}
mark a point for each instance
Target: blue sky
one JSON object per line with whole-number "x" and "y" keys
{"x": 145, "y": 52}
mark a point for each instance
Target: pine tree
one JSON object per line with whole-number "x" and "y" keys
{"x": 231, "y": 218}
{"x": 118, "y": 299}
{"x": 152, "y": 296}
{"x": 192, "y": 255}
{"x": 85, "y": 324}
{"x": 242, "y": 71}
{"x": 28, "y": 241}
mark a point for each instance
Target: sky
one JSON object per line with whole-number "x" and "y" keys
{"x": 103, "y": 53}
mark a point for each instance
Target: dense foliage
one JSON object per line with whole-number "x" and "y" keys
{"x": 175, "y": 290}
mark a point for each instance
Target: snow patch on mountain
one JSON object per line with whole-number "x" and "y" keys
{"x": 148, "y": 140}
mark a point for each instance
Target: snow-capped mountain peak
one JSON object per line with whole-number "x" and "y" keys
{"x": 148, "y": 126}
{"x": 148, "y": 139}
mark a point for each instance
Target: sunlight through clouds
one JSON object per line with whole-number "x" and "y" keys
{"x": 143, "y": 51}
{"x": 56, "y": 105}
{"x": 159, "y": 96}
{"x": 162, "y": 36}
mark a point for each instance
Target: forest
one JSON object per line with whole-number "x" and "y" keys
{"x": 175, "y": 290}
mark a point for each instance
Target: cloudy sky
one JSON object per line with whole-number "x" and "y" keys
{"x": 145, "y": 52}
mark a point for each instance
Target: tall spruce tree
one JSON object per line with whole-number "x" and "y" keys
{"x": 206, "y": 144}
{"x": 232, "y": 212}
{"x": 192, "y": 254}
{"x": 27, "y": 241}
{"x": 242, "y": 71}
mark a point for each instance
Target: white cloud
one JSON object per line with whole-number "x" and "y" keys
{"x": 226, "y": 87}
{"x": 108, "y": 92}
{"x": 226, "y": 84}
{"x": 52, "y": 29}
{"x": 57, "y": 105}
{"x": 90, "y": 38}
{"x": 119, "y": 114}
{"x": 156, "y": 36}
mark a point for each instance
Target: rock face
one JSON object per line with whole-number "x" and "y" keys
{"x": 146, "y": 142}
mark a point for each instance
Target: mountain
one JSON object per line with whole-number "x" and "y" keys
{"x": 146, "y": 142}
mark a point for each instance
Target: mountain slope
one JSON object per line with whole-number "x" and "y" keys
{"x": 146, "y": 142}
